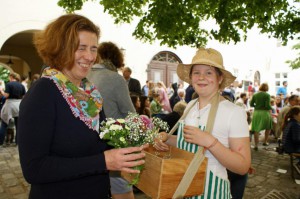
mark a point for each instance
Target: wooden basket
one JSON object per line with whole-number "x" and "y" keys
{"x": 160, "y": 177}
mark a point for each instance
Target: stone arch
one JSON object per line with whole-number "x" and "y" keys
{"x": 162, "y": 67}
{"x": 16, "y": 39}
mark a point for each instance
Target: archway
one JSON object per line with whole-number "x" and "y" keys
{"x": 162, "y": 67}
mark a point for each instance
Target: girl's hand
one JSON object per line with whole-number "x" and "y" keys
{"x": 196, "y": 136}
{"x": 159, "y": 142}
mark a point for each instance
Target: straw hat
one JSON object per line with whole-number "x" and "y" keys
{"x": 210, "y": 57}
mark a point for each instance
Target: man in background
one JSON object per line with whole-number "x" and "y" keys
{"x": 134, "y": 85}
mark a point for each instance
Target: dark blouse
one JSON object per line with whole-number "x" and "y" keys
{"x": 291, "y": 137}
{"x": 60, "y": 156}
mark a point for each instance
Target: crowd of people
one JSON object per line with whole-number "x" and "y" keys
{"x": 83, "y": 82}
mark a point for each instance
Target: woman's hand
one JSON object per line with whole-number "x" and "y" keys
{"x": 125, "y": 159}
{"x": 159, "y": 142}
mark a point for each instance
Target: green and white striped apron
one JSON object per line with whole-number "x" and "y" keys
{"x": 215, "y": 187}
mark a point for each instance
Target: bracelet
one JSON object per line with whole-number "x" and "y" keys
{"x": 213, "y": 144}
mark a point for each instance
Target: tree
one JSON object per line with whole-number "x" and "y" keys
{"x": 294, "y": 64}
{"x": 181, "y": 22}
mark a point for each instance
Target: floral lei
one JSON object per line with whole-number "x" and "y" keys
{"x": 85, "y": 101}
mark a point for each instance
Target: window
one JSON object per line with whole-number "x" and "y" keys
{"x": 277, "y": 83}
{"x": 277, "y": 75}
{"x": 285, "y": 75}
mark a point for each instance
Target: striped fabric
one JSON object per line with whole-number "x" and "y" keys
{"x": 215, "y": 187}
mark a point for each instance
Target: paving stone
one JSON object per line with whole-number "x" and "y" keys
{"x": 266, "y": 178}
{"x": 16, "y": 190}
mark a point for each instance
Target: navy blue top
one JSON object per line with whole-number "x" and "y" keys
{"x": 291, "y": 137}
{"x": 15, "y": 89}
{"x": 60, "y": 156}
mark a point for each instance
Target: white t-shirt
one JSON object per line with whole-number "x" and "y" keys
{"x": 230, "y": 122}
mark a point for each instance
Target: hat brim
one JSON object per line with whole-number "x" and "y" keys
{"x": 183, "y": 72}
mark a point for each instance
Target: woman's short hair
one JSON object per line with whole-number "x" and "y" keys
{"x": 57, "y": 44}
{"x": 264, "y": 87}
{"x": 110, "y": 51}
{"x": 15, "y": 76}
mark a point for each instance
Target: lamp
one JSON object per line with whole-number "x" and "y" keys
{"x": 9, "y": 61}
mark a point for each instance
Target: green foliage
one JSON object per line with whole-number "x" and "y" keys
{"x": 4, "y": 74}
{"x": 181, "y": 22}
{"x": 295, "y": 64}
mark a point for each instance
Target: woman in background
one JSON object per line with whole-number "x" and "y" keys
{"x": 261, "y": 119}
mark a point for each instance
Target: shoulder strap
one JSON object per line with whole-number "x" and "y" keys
{"x": 181, "y": 118}
{"x": 199, "y": 155}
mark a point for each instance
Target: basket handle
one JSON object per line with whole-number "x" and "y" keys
{"x": 199, "y": 155}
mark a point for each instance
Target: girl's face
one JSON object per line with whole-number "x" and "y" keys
{"x": 147, "y": 103}
{"x": 85, "y": 56}
{"x": 205, "y": 80}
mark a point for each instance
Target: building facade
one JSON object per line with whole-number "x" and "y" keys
{"x": 259, "y": 59}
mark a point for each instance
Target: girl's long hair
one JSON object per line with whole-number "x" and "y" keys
{"x": 290, "y": 115}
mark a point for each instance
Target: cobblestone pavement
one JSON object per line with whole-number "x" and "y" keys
{"x": 265, "y": 183}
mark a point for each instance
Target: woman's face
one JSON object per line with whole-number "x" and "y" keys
{"x": 205, "y": 80}
{"x": 138, "y": 103}
{"x": 85, "y": 56}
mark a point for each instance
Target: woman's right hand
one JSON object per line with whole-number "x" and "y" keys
{"x": 124, "y": 159}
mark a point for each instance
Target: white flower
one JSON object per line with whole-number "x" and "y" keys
{"x": 110, "y": 121}
{"x": 121, "y": 121}
{"x": 115, "y": 127}
{"x": 103, "y": 133}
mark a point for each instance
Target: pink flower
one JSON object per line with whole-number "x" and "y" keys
{"x": 147, "y": 121}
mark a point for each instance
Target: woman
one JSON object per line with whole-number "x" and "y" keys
{"x": 60, "y": 150}
{"x": 291, "y": 131}
{"x": 145, "y": 106}
{"x": 117, "y": 102}
{"x": 164, "y": 99}
{"x": 227, "y": 146}
{"x": 136, "y": 103}
{"x": 262, "y": 118}
{"x": 14, "y": 92}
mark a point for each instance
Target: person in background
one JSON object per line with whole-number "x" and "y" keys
{"x": 175, "y": 94}
{"x": 262, "y": 119}
{"x": 155, "y": 106}
{"x": 283, "y": 90}
{"x": 278, "y": 103}
{"x": 291, "y": 132}
{"x": 35, "y": 77}
{"x": 116, "y": 101}
{"x": 227, "y": 146}
{"x": 164, "y": 99}
{"x": 136, "y": 102}
{"x": 145, "y": 106}
{"x": 242, "y": 101}
{"x": 145, "y": 89}
{"x": 134, "y": 85}
{"x": 292, "y": 101}
{"x": 189, "y": 91}
{"x": 180, "y": 96}
{"x": 61, "y": 153}
{"x": 250, "y": 90}
{"x": 170, "y": 90}
{"x": 24, "y": 81}
{"x": 14, "y": 92}
{"x": 174, "y": 116}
